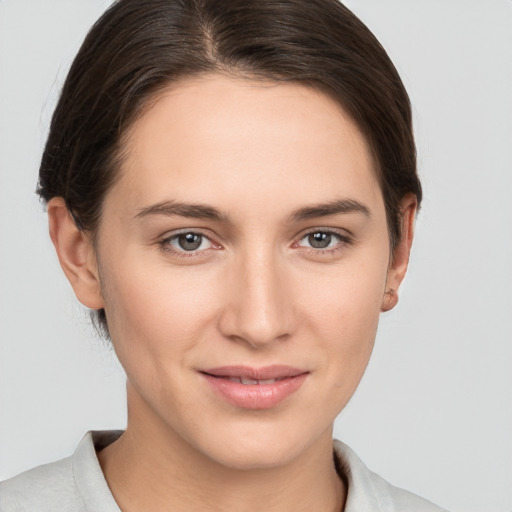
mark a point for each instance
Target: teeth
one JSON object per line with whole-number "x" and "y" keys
{"x": 252, "y": 382}
{"x": 243, "y": 380}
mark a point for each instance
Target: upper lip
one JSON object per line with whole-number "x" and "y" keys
{"x": 266, "y": 372}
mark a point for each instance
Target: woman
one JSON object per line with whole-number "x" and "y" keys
{"x": 232, "y": 188}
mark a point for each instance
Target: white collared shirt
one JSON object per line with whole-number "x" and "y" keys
{"x": 77, "y": 484}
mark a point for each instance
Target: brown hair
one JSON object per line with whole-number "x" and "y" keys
{"x": 138, "y": 47}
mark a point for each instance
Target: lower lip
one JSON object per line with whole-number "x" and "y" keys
{"x": 255, "y": 396}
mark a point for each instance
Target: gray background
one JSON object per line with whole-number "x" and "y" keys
{"x": 434, "y": 412}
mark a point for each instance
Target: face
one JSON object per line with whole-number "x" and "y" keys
{"x": 243, "y": 257}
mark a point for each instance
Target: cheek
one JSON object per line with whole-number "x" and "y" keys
{"x": 156, "y": 312}
{"x": 343, "y": 312}
{"x": 158, "y": 318}
{"x": 348, "y": 300}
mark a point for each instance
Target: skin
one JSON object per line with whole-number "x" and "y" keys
{"x": 255, "y": 292}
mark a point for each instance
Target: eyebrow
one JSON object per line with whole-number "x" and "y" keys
{"x": 331, "y": 208}
{"x": 176, "y": 209}
{"x": 201, "y": 211}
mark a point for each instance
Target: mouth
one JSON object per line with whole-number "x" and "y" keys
{"x": 246, "y": 381}
{"x": 255, "y": 388}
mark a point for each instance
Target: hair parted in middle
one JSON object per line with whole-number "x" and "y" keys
{"x": 140, "y": 47}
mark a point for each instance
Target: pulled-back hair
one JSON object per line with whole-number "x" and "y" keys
{"x": 139, "y": 47}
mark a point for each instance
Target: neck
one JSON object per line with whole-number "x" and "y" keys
{"x": 151, "y": 467}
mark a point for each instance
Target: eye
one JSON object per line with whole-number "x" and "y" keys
{"x": 189, "y": 241}
{"x": 323, "y": 239}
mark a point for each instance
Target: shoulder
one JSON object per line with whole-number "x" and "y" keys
{"x": 73, "y": 484}
{"x": 45, "y": 488}
{"x": 369, "y": 491}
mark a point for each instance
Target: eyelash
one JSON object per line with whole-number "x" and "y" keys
{"x": 165, "y": 244}
{"x": 343, "y": 242}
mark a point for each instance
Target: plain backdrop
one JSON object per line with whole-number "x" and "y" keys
{"x": 434, "y": 411}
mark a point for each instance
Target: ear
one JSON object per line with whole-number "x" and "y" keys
{"x": 400, "y": 257}
{"x": 76, "y": 254}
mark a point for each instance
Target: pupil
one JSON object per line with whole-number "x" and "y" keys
{"x": 320, "y": 240}
{"x": 189, "y": 241}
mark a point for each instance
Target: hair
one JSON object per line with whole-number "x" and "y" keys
{"x": 139, "y": 47}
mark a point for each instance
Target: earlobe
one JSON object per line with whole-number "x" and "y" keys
{"x": 390, "y": 300}
{"x": 76, "y": 254}
{"x": 400, "y": 256}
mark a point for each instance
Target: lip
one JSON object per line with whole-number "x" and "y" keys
{"x": 226, "y": 382}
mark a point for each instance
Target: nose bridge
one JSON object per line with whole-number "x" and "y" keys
{"x": 258, "y": 310}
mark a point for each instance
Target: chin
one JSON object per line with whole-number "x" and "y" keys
{"x": 263, "y": 447}
{"x": 248, "y": 458}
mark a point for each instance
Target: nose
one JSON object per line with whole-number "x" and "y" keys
{"x": 258, "y": 309}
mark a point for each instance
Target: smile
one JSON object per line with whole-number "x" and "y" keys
{"x": 251, "y": 388}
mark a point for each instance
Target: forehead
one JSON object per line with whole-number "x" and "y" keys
{"x": 232, "y": 137}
